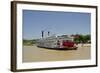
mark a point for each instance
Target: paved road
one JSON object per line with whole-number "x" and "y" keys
{"x": 35, "y": 54}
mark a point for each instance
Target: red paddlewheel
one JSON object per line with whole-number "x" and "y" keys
{"x": 68, "y": 44}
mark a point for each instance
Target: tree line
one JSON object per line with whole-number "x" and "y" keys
{"x": 82, "y": 39}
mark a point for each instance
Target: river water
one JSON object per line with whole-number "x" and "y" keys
{"x": 35, "y": 54}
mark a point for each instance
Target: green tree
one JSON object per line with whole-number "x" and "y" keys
{"x": 82, "y": 39}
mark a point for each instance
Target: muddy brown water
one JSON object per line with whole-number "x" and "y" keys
{"x": 35, "y": 54}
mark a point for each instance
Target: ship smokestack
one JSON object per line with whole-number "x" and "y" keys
{"x": 48, "y": 33}
{"x": 42, "y": 33}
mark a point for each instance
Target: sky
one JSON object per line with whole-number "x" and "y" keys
{"x": 58, "y": 23}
